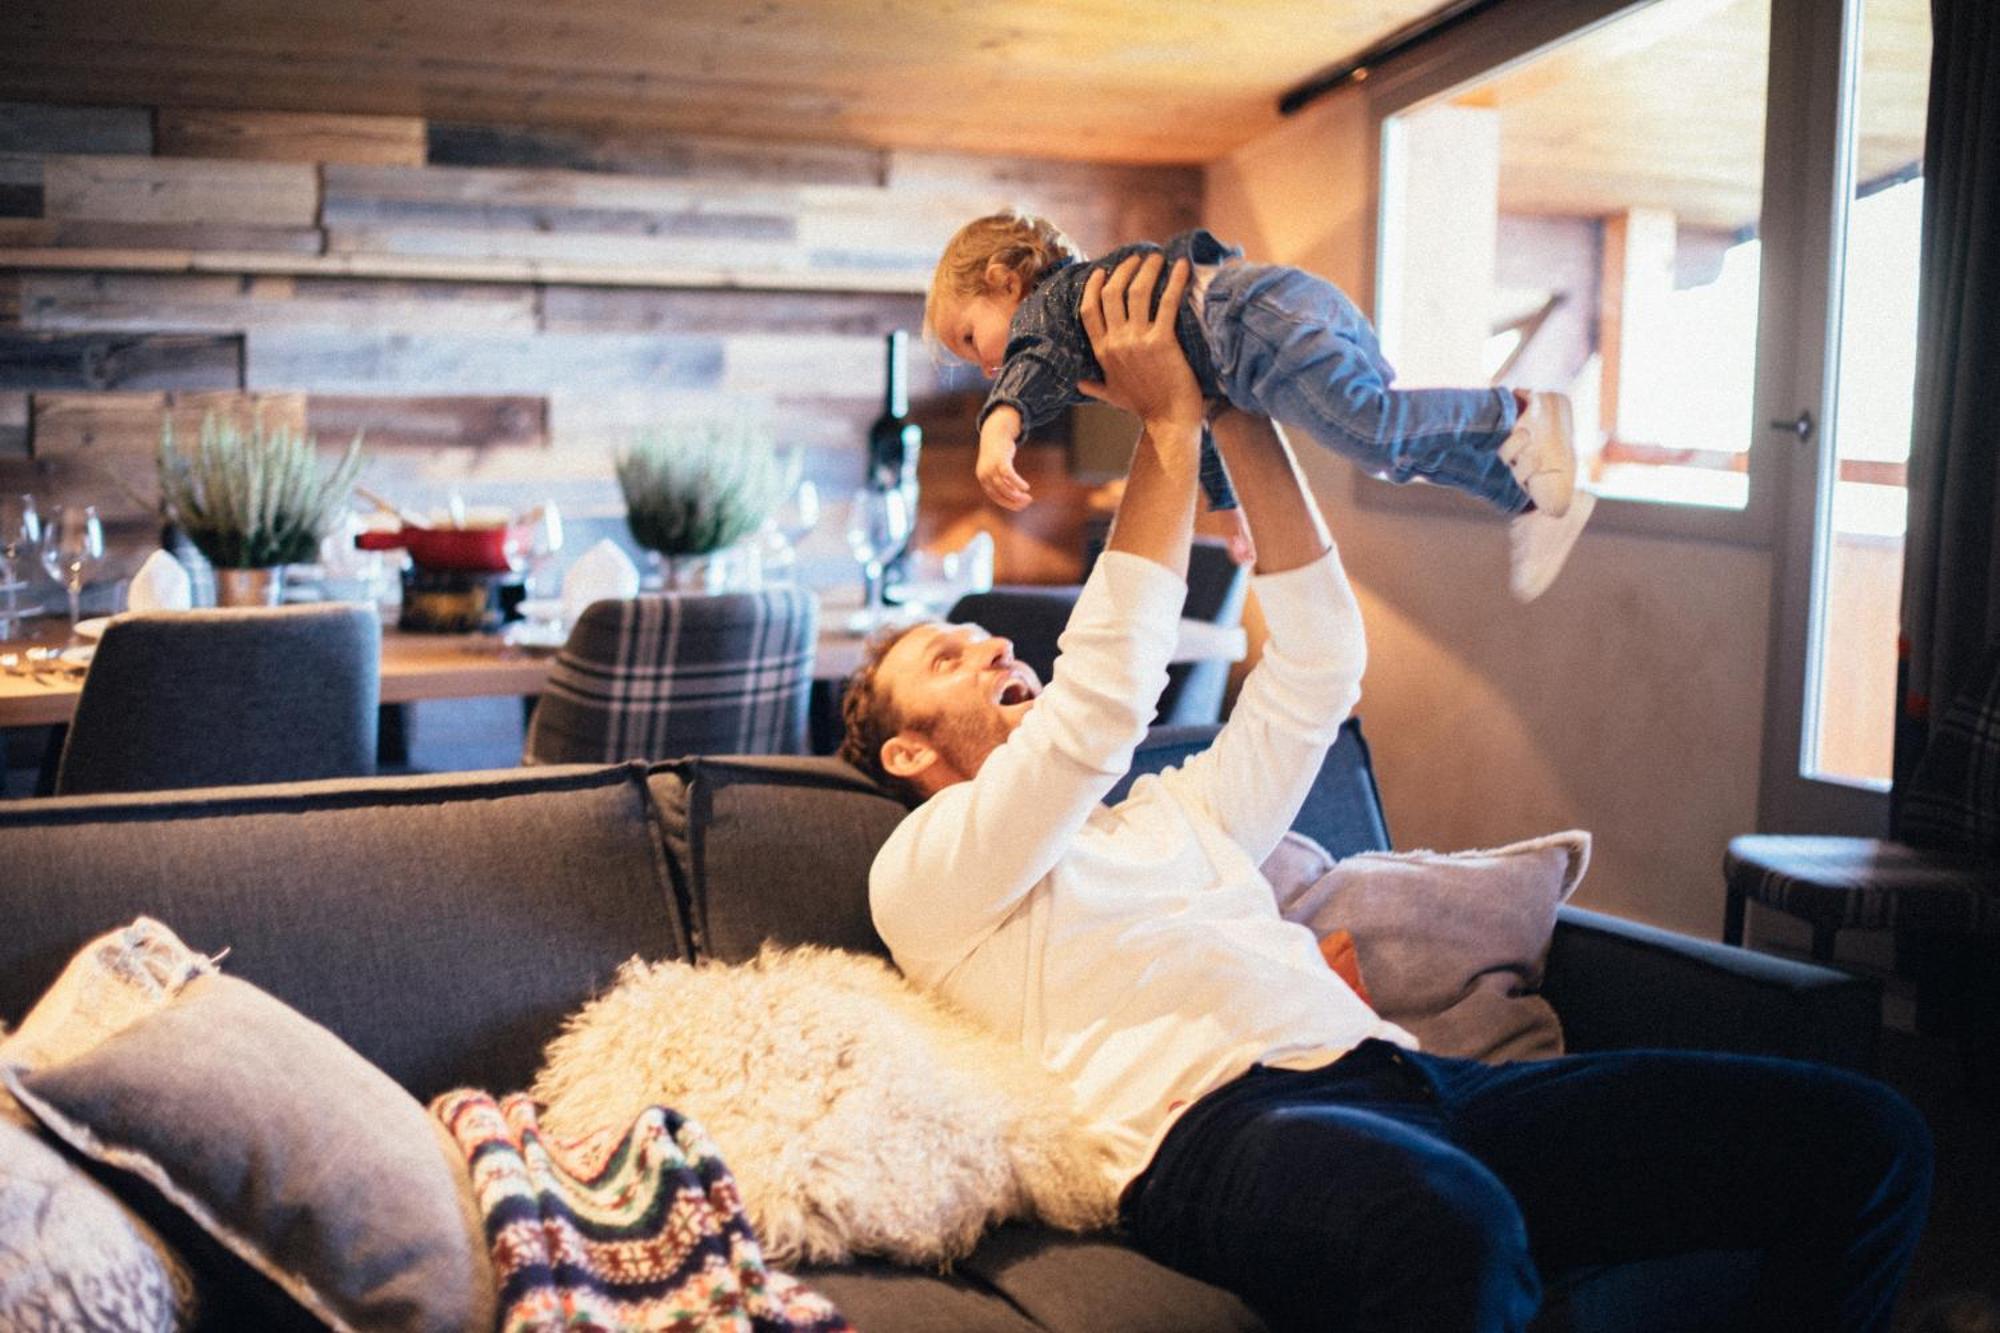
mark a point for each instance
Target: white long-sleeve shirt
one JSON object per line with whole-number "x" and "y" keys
{"x": 1136, "y": 950}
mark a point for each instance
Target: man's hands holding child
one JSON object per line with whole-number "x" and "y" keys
{"x": 1145, "y": 372}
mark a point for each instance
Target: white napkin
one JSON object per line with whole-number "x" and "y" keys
{"x": 162, "y": 584}
{"x": 602, "y": 573}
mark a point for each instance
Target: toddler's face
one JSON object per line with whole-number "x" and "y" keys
{"x": 974, "y": 328}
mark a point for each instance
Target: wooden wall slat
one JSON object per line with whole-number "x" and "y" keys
{"x": 713, "y": 255}
{"x": 378, "y": 364}
{"x": 20, "y": 185}
{"x": 101, "y": 448}
{"x": 100, "y": 361}
{"x": 72, "y": 234}
{"x": 13, "y": 425}
{"x": 581, "y": 309}
{"x": 30, "y": 127}
{"x": 179, "y": 190}
{"x": 350, "y": 186}
{"x": 430, "y": 423}
{"x": 231, "y": 303}
{"x": 638, "y": 153}
{"x": 289, "y": 136}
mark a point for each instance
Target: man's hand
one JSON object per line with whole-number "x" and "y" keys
{"x": 998, "y": 435}
{"x": 1145, "y": 372}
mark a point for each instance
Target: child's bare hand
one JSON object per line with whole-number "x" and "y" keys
{"x": 995, "y": 470}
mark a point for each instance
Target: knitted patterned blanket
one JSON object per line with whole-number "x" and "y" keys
{"x": 644, "y": 1232}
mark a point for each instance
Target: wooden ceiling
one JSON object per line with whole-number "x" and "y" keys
{"x": 1664, "y": 108}
{"x": 1102, "y": 80}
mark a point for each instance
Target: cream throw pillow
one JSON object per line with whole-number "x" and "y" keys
{"x": 858, "y": 1114}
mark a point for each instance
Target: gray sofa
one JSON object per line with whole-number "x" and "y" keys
{"x": 444, "y": 925}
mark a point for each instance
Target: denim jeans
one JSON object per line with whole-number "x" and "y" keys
{"x": 1293, "y": 347}
{"x": 1393, "y": 1190}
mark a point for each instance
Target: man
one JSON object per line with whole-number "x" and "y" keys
{"x": 1271, "y": 1133}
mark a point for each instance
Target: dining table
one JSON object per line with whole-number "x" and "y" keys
{"x": 42, "y": 672}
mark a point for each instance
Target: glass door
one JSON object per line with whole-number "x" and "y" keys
{"x": 1845, "y": 432}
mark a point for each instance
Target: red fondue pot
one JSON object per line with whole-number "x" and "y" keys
{"x": 468, "y": 550}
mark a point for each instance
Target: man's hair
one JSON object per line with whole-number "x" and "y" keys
{"x": 870, "y": 717}
{"x": 1023, "y": 244}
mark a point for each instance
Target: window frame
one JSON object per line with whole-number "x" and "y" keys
{"x": 1508, "y": 35}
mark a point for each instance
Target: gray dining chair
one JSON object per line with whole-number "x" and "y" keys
{"x": 226, "y": 697}
{"x": 1034, "y": 618}
{"x": 668, "y": 674}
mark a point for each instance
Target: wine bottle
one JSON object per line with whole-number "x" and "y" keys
{"x": 894, "y": 442}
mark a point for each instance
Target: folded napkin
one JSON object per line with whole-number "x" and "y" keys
{"x": 161, "y": 584}
{"x": 602, "y": 573}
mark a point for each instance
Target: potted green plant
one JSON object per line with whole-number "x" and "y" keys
{"x": 253, "y": 501}
{"x": 694, "y": 488}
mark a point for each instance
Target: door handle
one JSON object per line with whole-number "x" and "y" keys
{"x": 1800, "y": 425}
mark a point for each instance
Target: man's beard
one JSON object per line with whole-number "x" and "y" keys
{"x": 964, "y": 740}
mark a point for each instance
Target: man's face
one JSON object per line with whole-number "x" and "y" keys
{"x": 960, "y": 693}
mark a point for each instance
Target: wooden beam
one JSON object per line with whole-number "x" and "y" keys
{"x": 100, "y": 361}
{"x": 180, "y": 190}
{"x": 289, "y": 136}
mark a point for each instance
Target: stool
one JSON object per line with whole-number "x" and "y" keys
{"x": 1837, "y": 884}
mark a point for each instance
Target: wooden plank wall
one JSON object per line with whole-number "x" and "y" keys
{"x": 496, "y": 309}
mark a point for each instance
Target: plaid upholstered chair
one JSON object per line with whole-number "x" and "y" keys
{"x": 669, "y": 674}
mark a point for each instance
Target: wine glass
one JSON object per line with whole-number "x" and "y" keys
{"x": 878, "y": 523}
{"x": 72, "y": 544}
{"x": 544, "y": 539}
{"x": 789, "y": 524}
{"x": 20, "y": 533}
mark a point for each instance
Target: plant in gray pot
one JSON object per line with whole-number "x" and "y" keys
{"x": 253, "y": 501}
{"x": 695, "y": 488}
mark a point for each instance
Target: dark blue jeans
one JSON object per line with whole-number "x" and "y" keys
{"x": 1392, "y": 1190}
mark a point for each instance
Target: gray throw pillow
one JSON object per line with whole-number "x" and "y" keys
{"x": 288, "y": 1149}
{"x": 1451, "y": 945}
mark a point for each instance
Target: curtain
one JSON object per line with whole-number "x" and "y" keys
{"x": 1951, "y": 569}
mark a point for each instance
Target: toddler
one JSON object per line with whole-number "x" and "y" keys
{"x": 1265, "y": 339}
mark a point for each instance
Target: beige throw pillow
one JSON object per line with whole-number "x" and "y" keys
{"x": 1451, "y": 946}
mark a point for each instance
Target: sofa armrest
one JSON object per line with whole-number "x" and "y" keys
{"x": 1619, "y": 984}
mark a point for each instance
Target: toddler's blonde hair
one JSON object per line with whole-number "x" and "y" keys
{"x": 1023, "y": 244}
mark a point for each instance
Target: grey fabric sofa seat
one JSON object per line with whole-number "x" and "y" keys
{"x": 444, "y": 925}
{"x": 226, "y": 697}
{"x": 666, "y": 674}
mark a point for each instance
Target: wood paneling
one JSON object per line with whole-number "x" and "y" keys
{"x": 220, "y": 237}
{"x": 289, "y": 136}
{"x": 119, "y": 361}
{"x": 638, "y": 310}
{"x": 174, "y": 190}
{"x": 379, "y": 364}
{"x": 240, "y": 303}
{"x": 100, "y": 448}
{"x": 20, "y": 185}
{"x": 427, "y": 424}
{"x": 651, "y": 154}
{"x": 32, "y": 127}
{"x": 13, "y": 425}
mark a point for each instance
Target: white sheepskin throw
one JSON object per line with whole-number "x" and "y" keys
{"x": 858, "y": 1114}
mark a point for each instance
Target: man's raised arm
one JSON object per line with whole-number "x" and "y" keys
{"x": 959, "y": 864}
{"x": 1255, "y": 776}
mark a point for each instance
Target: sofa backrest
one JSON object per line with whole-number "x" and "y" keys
{"x": 779, "y": 848}
{"x": 443, "y": 926}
